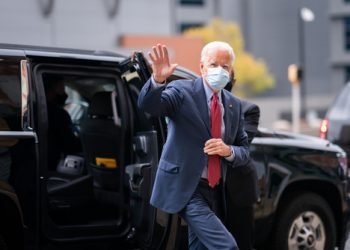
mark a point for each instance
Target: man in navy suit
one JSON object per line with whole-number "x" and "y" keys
{"x": 205, "y": 137}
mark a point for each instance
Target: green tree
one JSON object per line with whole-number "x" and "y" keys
{"x": 253, "y": 76}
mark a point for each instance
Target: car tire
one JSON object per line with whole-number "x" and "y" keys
{"x": 3, "y": 245}
{"x": 305, "y": 222}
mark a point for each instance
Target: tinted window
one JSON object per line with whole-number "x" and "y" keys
{"x": 185, "y": 26}
{"x": 10, "y": 118}
{"x": 347, "y": 33}
{"x": 191, "y": 2}
{"x": 341, "y": 106}
{"x": 347, "y": 73}
{"x": 10, "y": 97}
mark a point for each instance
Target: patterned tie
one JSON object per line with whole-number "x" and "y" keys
{"x": 214, "y": 160}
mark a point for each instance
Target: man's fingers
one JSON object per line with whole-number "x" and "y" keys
{"x": 211, "y": 145}
{"x": 166, "y": 54}
{"x": 212, "y": 140}
{"x": 215, "y": 146}
{"x": 160, "y": 50}
{"x": 173, "y": 67}
{"x": 160, "y": 62}
{"x": 213, "y": 151}
{"x": 151, "y": 57}
{"x": 155, "y": 52}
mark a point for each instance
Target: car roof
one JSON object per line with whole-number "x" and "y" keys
{"x": 290, "y": 139}
{"x": 71, "y": 53}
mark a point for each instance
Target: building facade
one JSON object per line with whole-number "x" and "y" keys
{"x": 340, "y": 41}
{"x": 271, "y": 30}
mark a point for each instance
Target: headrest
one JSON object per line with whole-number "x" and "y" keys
{"x": 101, "y": 105}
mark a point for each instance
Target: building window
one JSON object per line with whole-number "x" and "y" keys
{"x": 185, "y": 26}
{"x": 191, "y": 2}
{"x": 347, "y": 33}
{"x": 347, "y": 74}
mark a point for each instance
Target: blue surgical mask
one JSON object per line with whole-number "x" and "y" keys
{"x": 217, "y": 78}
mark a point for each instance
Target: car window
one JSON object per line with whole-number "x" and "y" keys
{"x": 10, "y": 113}
{"x": 341, "y": 106}
{"x": 80, "y": 90}
{"x": 10, "y": 97}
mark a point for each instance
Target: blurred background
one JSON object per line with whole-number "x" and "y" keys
{"x": 267, "y": 37}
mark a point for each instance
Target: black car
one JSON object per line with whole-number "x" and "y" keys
{"x": 336, "y": 125}
{"x": 97, "y": 197}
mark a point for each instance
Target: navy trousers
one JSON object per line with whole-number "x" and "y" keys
{"x": 205, "y": 229}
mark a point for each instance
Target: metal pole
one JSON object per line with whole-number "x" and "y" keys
{"x": 296, "y": 108}
{"x": 302, "y": 63}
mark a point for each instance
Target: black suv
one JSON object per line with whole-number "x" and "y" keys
{"x": 336, "y": 125}
{"x": 97, "y": 195}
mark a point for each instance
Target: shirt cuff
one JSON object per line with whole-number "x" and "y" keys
{"x": 232, "y": 156}
{"x": 156, "y": 84}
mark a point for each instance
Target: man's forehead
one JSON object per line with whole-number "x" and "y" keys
{"x": 218, "y": 55}
{"x": 216, "y": 60}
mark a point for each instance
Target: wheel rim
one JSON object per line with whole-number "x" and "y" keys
{"x": 307, "y": 232}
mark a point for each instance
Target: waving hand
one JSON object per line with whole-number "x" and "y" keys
{"x": 161, "y": 66}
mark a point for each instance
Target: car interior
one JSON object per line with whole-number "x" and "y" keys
{"x": 87, "y": 184}
{"x": 107, "y": 181}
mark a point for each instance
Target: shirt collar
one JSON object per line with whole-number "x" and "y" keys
{"x": 209, "y": 93}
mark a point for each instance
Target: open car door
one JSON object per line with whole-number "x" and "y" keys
{"x": 150, "y": 226}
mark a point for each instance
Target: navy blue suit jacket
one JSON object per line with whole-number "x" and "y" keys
{"x": 183, "y": 159}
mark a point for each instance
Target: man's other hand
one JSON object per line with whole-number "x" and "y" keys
{"x": 216, "y": 146}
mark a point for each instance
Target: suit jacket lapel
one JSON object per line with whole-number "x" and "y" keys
{"x": 200, "y": 100}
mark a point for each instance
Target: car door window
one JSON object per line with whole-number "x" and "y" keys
{"x": 85, "y": 150}
{"x": 340, "y": 108}
{"x": 10, "y": 113}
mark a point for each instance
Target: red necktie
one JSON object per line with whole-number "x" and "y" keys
{"x": 214, "y": 160}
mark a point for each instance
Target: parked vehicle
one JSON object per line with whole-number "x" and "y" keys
{"x": 99, "y": 196}
{"x": 336, "y": 125}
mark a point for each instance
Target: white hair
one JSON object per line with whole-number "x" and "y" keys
{"x": 215, "y": 45}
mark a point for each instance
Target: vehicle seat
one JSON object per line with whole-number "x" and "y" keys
{"x": 102, "y": 146}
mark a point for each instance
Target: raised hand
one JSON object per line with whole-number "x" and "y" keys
{"x": 161, "y": 66}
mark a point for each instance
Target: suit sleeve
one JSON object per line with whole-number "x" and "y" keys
{"x": 160, "y": 101}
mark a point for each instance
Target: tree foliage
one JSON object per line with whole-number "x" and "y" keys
{"x": 253, "y": 76}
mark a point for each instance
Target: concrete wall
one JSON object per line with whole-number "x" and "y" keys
{"x": 269, "y": 26}
{"x": 81, "y": 23}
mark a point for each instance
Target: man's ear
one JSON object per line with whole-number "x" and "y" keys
{"x": 201, "y": 67}
{"x": 233, "y": 78}
{"x": 231, "y": 82}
